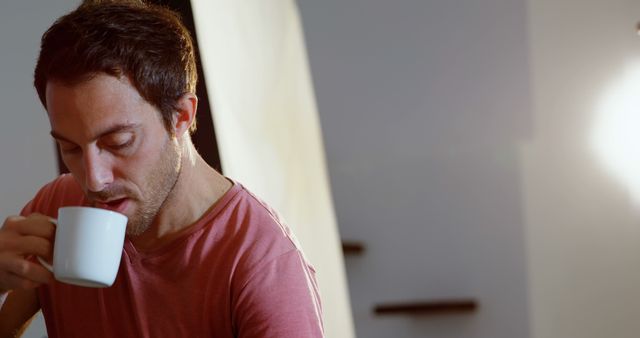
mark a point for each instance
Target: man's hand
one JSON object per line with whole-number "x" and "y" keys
{"x": 21, "y": 238}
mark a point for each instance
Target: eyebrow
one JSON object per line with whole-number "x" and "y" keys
{"x": 118, "y": 128}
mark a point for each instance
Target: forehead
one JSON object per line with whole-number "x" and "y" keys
{"x": 88, "y": 108}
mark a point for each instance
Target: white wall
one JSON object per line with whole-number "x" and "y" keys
{"x": 28, "y": 158}
{"x": 457, "y": 136}
{"x": 424, "y": 105}
{"x": 27, "y": 150}
{"x": 583, "y": 232}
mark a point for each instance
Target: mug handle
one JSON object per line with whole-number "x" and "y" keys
{"x": 45, "y": 264}
{"x": 40, "y": 259}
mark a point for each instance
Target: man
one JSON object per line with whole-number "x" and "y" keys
{"x": 203, "y": 257}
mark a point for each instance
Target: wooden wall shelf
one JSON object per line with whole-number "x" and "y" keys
{"x": 439, "y": 307}
{"x": 352, "y": 248}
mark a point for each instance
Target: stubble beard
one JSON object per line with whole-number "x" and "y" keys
{"x": 159, "y": 185}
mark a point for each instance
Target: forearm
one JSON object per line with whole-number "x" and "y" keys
{"x": 18, "y": 308}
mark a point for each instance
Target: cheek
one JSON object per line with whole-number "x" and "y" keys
{"x": 134, "y": 168}
{"x": 127, "y": 170}
{"x": 138, "y": 166}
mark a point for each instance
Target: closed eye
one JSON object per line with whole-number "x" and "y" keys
{"x": 121, "y": 146}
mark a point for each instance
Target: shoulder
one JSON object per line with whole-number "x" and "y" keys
{"x": 256, "y": 233}
{"x": 258, "y": 222}
{"x": 62, "y": 191}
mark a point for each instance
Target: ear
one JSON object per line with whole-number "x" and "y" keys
{"x": 185, "y": 115}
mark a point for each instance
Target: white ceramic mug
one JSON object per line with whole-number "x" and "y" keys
{"x": 88, "y": 246}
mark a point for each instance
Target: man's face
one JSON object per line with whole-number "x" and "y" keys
{"x": 115, "y": 145}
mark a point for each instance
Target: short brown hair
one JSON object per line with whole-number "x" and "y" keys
{"x": 147, "y": 43}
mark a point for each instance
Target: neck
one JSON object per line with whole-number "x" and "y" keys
{"x": 197, "y": 188}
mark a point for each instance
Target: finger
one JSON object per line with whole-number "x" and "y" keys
{"x": 26, "y": 245}
{"x": 11, "y": 221}
{"x": 31, "y": 245}
{"x": 25, "y": 269}
{"x": 11, "y": 281}
{"x": 35, "y": 225}
{"x": 15, "y": 218}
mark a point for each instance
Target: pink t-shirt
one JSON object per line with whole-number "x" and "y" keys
{"x": 238, "y": 272}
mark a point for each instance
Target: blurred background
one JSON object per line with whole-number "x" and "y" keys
{"x": 478, "y": 150}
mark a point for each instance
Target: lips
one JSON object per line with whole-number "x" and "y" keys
{"x": 118, "y": 205}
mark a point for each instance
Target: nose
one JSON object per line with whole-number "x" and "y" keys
{"x": 98, "y": 171}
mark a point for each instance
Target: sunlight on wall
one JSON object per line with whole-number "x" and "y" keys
{"x": 616, "y": 132}
{"x": 268, "y": 129}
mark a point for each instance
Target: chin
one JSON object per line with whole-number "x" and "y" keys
{"x": 135, "y": 229}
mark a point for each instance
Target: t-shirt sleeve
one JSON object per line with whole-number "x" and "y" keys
{"x": 37, "y": 204}
{"x": 60, "y": 192}
{"x": 279, "y": 299}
